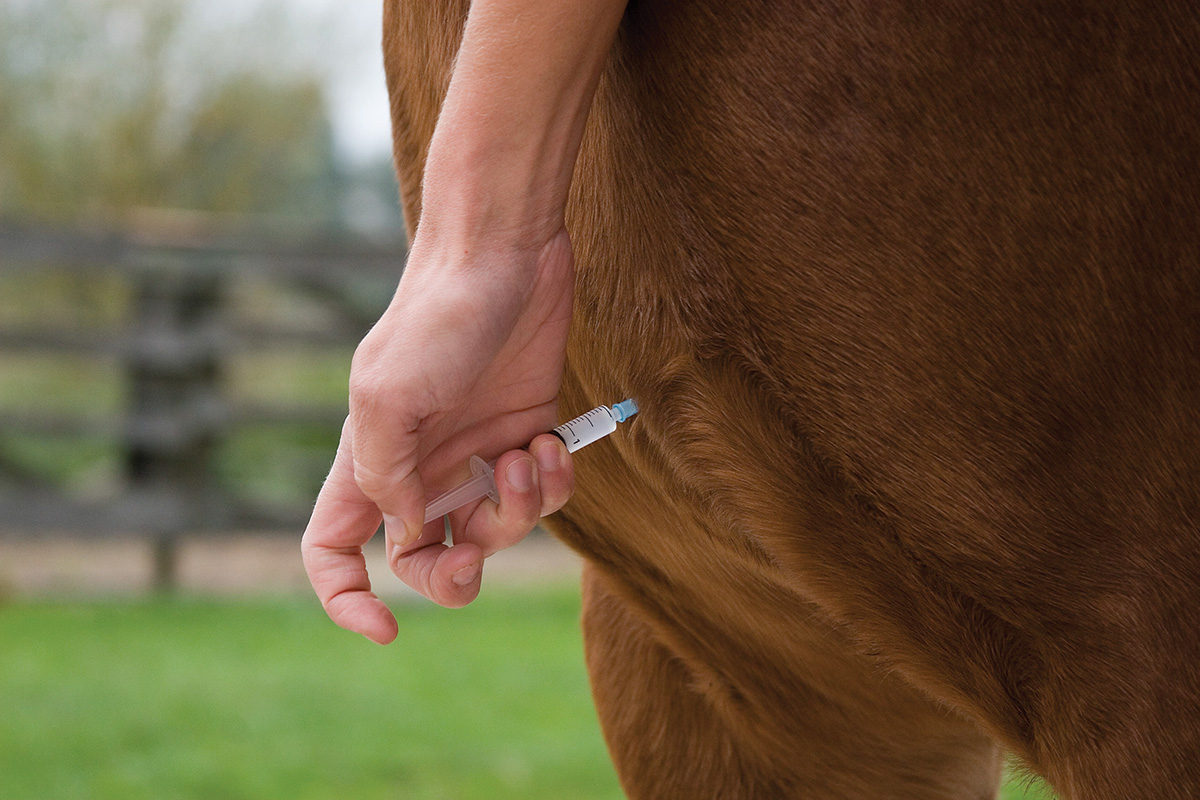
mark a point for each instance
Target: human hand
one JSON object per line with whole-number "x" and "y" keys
{"x": 466, "y": 360}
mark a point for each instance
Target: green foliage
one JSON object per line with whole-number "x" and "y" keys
{"x": 113, "y": 106}
{"x": 93, "y": 303}
{"x": 68, "y": 383}
{"x": 280, "y": 466}
{"x": 119, "y": 104}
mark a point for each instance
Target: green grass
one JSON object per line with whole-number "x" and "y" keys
{"x": 204, "y": 699}
{"x": 267, "y": 699}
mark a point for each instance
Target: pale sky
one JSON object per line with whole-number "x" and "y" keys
{"x": 357, "y": 91}
{"x": 340, "y": 38}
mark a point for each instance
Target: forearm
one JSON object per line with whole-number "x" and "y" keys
{"x": 501, "y": 159}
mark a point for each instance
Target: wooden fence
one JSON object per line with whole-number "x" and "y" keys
{"x": 171, "y": 351}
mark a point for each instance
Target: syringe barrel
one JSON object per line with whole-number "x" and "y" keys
{"x": 586, "y": 428}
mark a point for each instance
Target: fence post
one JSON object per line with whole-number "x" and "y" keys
{"x": 176, "y": 410}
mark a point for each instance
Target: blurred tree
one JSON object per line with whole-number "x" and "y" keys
{"x": 108, "y": 105}
{"x": 111, "y": 106}
{"x": 261, "y": 147}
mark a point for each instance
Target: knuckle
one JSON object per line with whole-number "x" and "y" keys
{"x": 558, "y": 495}
{"x": 371, "y": 482}
{"x": 368, "y": 387}
{"x": 372, "y": 373}
{"x": 412, "y": 572}
{"x": 517, "y": 524}
{"x": 382, "y": 393}
{"x": 520, "y": 521}
{"x": 501, "y": 527}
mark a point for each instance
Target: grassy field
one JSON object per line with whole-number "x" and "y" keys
{"x": 202, "y": 699}
{"x": 267, "y": 699}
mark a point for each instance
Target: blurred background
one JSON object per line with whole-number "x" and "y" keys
{"x": 198, "y": 222}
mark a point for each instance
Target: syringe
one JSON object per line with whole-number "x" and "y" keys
{"x": 578, "y": 433}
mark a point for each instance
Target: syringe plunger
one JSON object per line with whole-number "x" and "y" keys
{"x": 482, "y": 483}
{"x": 578, "y": 433}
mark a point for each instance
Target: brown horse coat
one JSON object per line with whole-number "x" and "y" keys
{"x": 910, "y": 297}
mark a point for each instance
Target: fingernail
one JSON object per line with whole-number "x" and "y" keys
{"x": 520, "y": 474}
{"x": 548, "y": 457}
{"x": 466, "y": 576}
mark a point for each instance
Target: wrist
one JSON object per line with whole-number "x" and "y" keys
{"x": 480, "y": 188}
{"x": 468, "y": 251}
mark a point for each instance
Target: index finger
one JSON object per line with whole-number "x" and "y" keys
{"x": 343, "y": 520}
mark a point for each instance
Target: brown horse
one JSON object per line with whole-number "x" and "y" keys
{"x": 909, "y": 294}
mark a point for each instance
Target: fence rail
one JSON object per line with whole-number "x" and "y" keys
{"x": 171, "y": 354}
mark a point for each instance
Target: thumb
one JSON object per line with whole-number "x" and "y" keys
{"x": 399, "y": 497}
{"x": 385, "y": 469}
